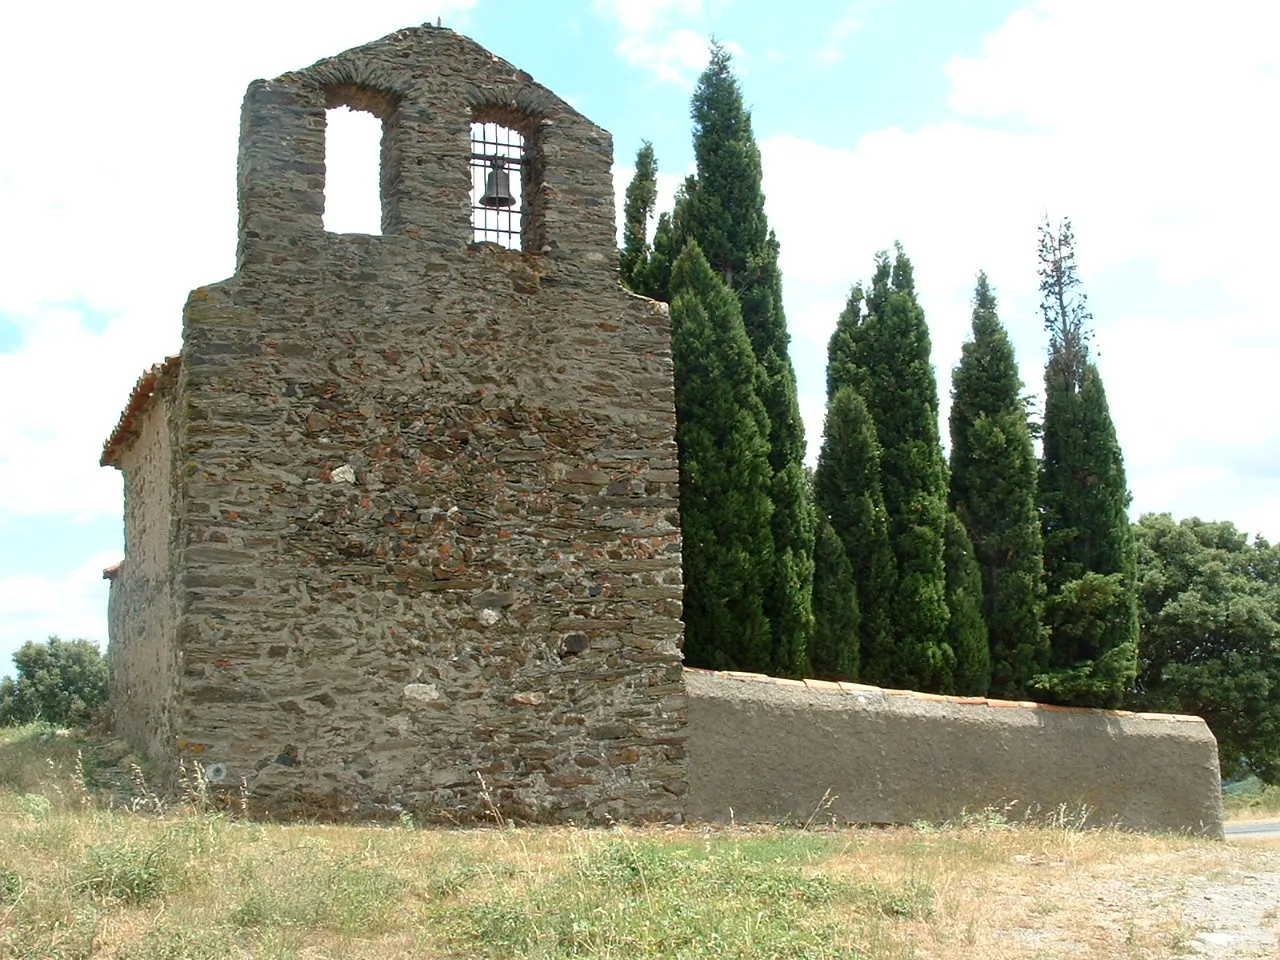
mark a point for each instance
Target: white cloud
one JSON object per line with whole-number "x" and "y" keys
{"x": 659, "y": 36}
{"x": 62, "y": 393}
{"x": 640, "y": 16}
{"x": 676, "y": 56}
{"x": 76, "y": 603}
{"x": 832, "y": 52}
{"x": 1162, "y": 108}
{"x": 849, "y": 23}
{"x": 120, "y": 199}
{"x": 1154, "y": 129}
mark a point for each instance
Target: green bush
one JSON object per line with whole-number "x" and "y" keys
{"x": 10, "y": 885}
{"x": 59, "y": 681}
{"x": 128, "y": 873}
{"x": 347, "y": 896}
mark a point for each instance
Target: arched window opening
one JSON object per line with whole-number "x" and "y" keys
{"x": 498, "y": 172}
{"x": 353, "y": 171}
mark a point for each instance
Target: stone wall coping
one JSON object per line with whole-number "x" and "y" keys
{"x": 139, "y": 400}
{"x": 842, "y": 688}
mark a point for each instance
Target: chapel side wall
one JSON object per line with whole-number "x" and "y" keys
{"x": 762, "y": 749}
{"x": 142, "y": 653}
{"x": 431, "y": 537}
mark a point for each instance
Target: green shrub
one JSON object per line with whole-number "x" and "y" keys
{"x": 58, "y": 681}
{"x": 128, "y": 873}
{"x": 346, "y": 896}
{"x": 10, "y": 885}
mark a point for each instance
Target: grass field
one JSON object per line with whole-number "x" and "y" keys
{"x": 93, "y": 865}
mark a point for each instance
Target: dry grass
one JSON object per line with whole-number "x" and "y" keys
{"x": 1040, "y": 892}
{"x": 1270, "y": 844}
{"x": 1258, "y": 802}
{"x": 80, "y": 879}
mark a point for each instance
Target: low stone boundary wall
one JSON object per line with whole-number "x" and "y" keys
{"x": 764, "y": 749}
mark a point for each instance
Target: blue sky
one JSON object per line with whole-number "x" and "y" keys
{"x": 953, "y": 127}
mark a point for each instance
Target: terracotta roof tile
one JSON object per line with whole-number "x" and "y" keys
{"x": 821, "y": 685}
{"x": 139, "y": 400}
{"x": 858, "y": 688}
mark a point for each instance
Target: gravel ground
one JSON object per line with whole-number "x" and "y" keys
{"x": 1236, "y": 913}
{"x": 1215, "y": 902}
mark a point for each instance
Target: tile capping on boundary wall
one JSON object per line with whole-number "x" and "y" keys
{"x": 846, "y": 687}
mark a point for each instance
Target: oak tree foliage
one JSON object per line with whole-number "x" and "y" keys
{"x": 1210, "y": 609}
{"x": 58, "y": 681}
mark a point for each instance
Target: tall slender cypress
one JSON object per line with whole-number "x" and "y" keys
{"x": 848, "y": 494}
{"x": 637, "y": 211}
{"x": 723, "y": 210}
{"x": 722, "y": 435}
{"x": 1090, "y": 561}
{"x": 834, "y": 653}
{"x": 847, "y": 490}
{"x": 993, "y": 492}
{"x": 892, "y": 358}
{"x": 966, "y": 630}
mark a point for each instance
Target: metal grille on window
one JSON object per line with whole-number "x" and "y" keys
{"x": 497, "y": 179}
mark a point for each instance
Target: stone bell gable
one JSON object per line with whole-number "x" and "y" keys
{"x": 427, "y": 86}
{"x": 402, "y": 524}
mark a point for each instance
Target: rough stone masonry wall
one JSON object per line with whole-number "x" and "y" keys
{"x": 429, "y": 522}
{"x": 142, "y": 612}
{"x": 767, "y": 749}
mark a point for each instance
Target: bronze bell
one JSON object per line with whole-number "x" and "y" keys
{"x": 497, "y": 187}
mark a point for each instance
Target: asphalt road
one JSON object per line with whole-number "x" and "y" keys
{"x": 1260, "y": 828}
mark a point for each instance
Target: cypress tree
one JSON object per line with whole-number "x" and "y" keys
{"x": 723, "y": 210}
{"x": 844, "y": 353}
{"x": 1083, "y": 490}
{"x": 725, "y": 203}
{"x": 834, "y": 652}
{"x": 1089, "y": 556}
{"x": 722, "y": 435}
{"x": 654, "y": 278}
{"x": 891, "y": 356}
{"x": 847, "y": 490}
{"x": 637, "y": 211}
{"x": 966, "y": 630}
{"x": 993, "y": 492}
{"x": 651, "y": 274}
{"x": 848, "y": 494}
